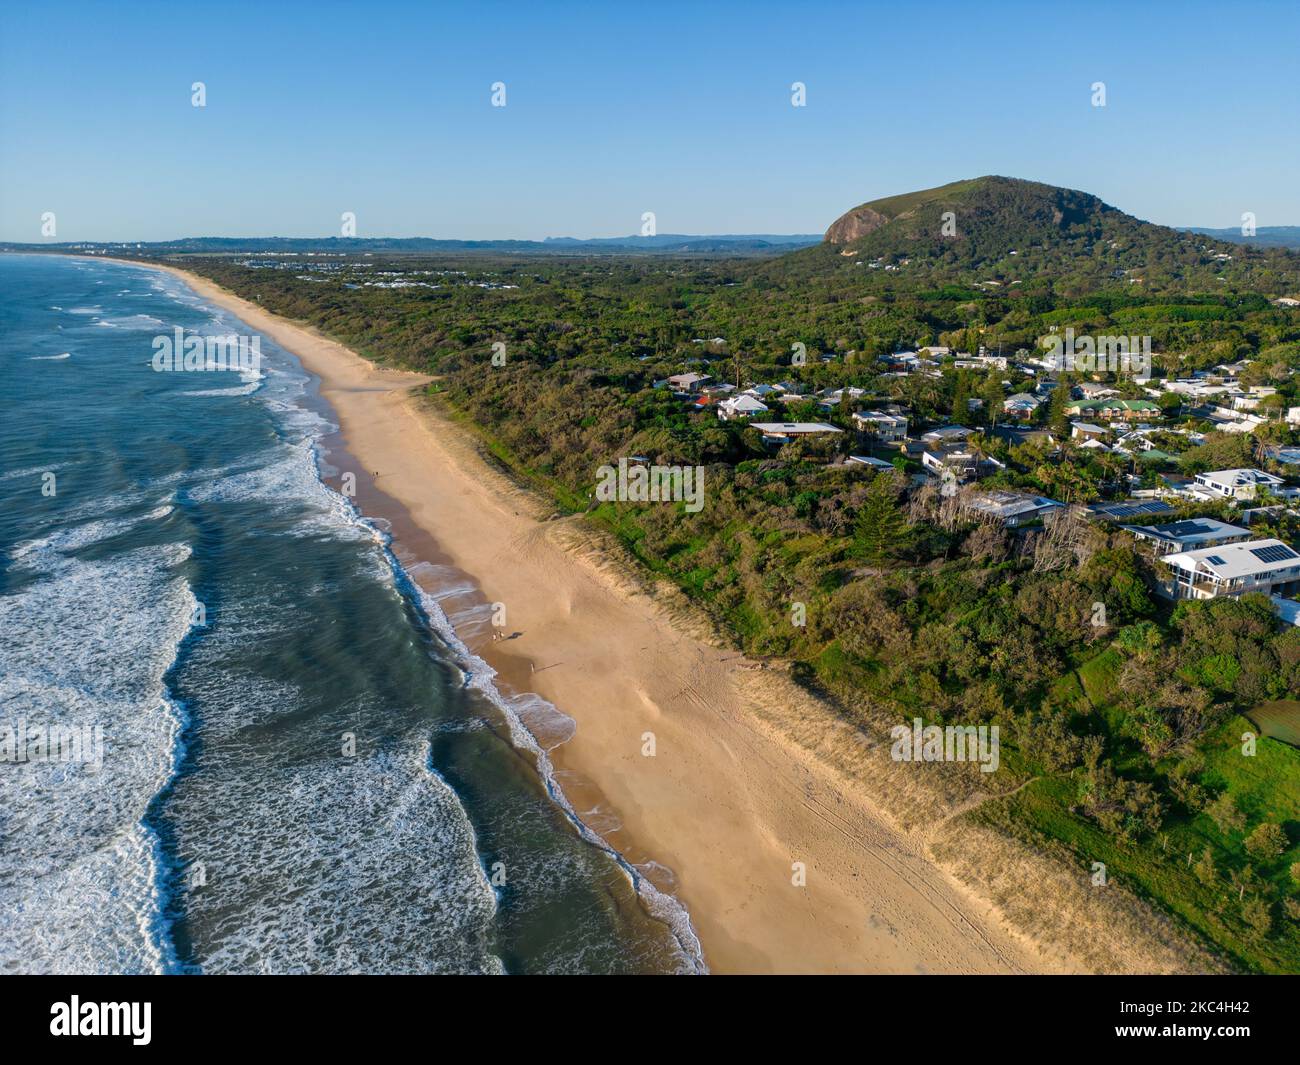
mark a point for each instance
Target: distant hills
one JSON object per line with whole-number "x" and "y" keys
{"x": 1265, "y": 236}
{"x": 662, "y": 244}
{"x": 989, "y": 231}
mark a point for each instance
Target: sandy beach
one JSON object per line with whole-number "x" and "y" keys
{"x": 752, "y": 808}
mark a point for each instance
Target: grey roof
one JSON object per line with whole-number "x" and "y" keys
{"x": 1192, "y": 531}
{"x": 1128, "y": 508}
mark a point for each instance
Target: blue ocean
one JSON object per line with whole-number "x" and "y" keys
{"x": 286, "y": 762}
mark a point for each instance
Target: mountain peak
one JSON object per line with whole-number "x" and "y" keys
{"x": 976, "y": 205}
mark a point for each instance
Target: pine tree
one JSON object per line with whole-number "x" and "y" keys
{"x": 1057, "y": 420}
{"x": 961, "y": 397}
{"x": 881, "y": 528}
{"x": 993, "y": 395}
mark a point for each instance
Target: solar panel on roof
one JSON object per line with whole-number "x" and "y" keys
{"x": 1215, "y": 560}
{"x": 1273, "y": 553}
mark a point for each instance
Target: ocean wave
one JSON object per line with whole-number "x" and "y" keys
{"x": 87, "y": 645}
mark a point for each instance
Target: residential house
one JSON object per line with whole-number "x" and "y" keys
{"x": 1286, "y": 456}
{"x": 947, "y": 434}
{"x": 882, "y": 425}
{"x": 1237, "y": 484}
{"x": 874, "y": 463}
{"x": 1266, "y": 566}
{"x": 783, "y": 432}
{"x": 1087, "y": 431}
{"x": 1114, "y": 409}
{"x": 1127, "y": 509}
{"x": 1010, "y": 508}
{"x": 1287, "y": 609}
{"x": 742, "y": 406}
{"x": 901, "y": 362}
{"x": 959, "y": 459}
{"x": 1093, "y": 390}
{"x": 1188, "y": 535}
{"x": 1232, "y": 369}
{"x": 687, "y": 382}
{"x": 1022, "y": 405}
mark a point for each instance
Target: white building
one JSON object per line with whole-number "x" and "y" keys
{"x": 1237, "y": 484}
{"x": 743, "y": 406}
{"x": 1266, "y": 566}
{"x": 882, "y": 425}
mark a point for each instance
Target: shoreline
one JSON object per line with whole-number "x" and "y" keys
{"x": 752, "y": 780}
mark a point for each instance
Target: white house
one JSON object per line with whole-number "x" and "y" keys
{"x": 1237, "y": 484}
{"x": 744, "y": 406}
{"x": 784, "y": 432}
{"x": 1266, "y": 566}
{"x": 956, "y": 458}
{"x": 882, "y": 425}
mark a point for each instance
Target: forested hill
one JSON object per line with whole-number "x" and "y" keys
{"x": 1003, "y": 232}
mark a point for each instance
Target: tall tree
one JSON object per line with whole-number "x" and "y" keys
{"x": 881, "y": 529}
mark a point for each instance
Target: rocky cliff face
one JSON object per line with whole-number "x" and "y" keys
{"x": 856, "y": 223}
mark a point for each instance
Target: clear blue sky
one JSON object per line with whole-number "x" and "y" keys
{"x": 384, "y": 109}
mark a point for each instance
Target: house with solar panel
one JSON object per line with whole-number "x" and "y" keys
{"x": 1127, "y": 510}
{"x": 1266, "y": 566}
{"x": 1189, "y": 535}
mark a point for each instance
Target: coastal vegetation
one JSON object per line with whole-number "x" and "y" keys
{"x": 1147, "y": 738}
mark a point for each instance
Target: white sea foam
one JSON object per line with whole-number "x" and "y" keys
{"x": 32, "y": 471}
{"x": 238, "y": 390}
{"x": 51, "y": 358}
{"x": 87, "y": 644}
